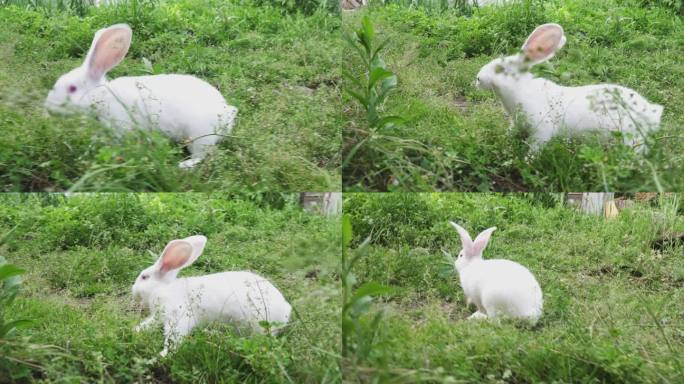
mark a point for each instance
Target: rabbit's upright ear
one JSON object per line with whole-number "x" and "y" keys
{"x": 175, "y": 256}
{"x": 481, "y": 241}
{"x": 543, "y": 43}
{"x": 109, "y": 47}
{"x": 198, "y": 242}
{"x": 466, "y": 240}
{"x": 178, "y": 254}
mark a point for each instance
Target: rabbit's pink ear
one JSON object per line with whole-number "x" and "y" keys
{"x": 176, "y": 255}
{"x": 466, "y": 240}
{"x": 197, "y": 242}
{"x": 543, "y": 43}
{"x": 108, "y": 49}
{"x": 481, "y": 241}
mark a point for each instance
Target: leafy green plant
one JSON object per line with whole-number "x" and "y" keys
{"x": 10, "y": 281}
{"x": 376, "y": 82}
{"x": 358, "y": 336}
{"x": 9, "y": 287}
{"x": 372, "y": 144}
{"x": 372, "y": 86}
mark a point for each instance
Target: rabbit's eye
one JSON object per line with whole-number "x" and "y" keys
{"x": 144, "y": 277}
{"x": 72, "y": 88}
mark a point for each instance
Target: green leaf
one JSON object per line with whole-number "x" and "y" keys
{"x": 375, "y": 324}
{"x": 388, "y": 84}
{"x": 349, "y": 76}
{"x": 386, "y": 87}
{"x": 354, "y": 44}
{"x": 370, "y": 289}
{"x": 346, "y": 231}
{"x": 347, "y": 326}
{"x": 364, "y": 243}
{"x": 390, "y": 121}
{"x": 378, "y": 49}
{"x": 358, "y": 97}
{"x": 360, "y": 305}
{"x": 372, "y": 114}
{"x": 377, "y": 62}
{"x": 367, "y": 28}
{"x": 352, "y": 152}
{"x": 9, "y": 270}
{"x": 350, "y": 279}
{"x": 7, "y": 328}
{"x": 363, "y": 40}
{"x": 4, "y": 237}
{"x": 21, "y": 323}
{"x": 378, "y": 74}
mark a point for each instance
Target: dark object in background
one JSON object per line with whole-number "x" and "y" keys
{"x": 670, "y": 240}
{"x": 352, "y": 4}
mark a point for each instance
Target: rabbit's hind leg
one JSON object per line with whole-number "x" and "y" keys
{"x": 198, "y": 150}
{"x": 146, "y": 323}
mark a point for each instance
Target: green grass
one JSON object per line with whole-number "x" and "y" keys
{"x": 82, "y": 254}
{"x": 612, "y": 303}
{"x": 457, "y": 136}
{"x": 279, "y": 67}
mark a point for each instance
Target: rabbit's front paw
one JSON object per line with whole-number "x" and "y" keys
{"x": 144, "y": 324}
{"x": 190, "y": 163}
{"x": 477, "y": 315}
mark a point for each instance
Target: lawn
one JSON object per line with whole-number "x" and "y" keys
{"x": 82, "y": 254}
{"x": 457, "y": 137}
{"x": 276, "y": 64}
{"x": 612, "y": 299}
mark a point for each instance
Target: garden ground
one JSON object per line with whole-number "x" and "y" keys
{"x": 82, "y": 254}
{"x": 612, "y": 300}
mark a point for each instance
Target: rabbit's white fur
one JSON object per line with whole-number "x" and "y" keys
{"x": 181, "y": 106}
{"x": 549, "y": 108}
{"x": 496, "y": 287}
{"x": 242, "y": 298}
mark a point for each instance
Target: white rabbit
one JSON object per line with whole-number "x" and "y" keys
{"x": 496, "y": 287}
{"x": 548, "y": 107}
{"x": 183, "y": 107}
{"x": 242, "y": 298}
